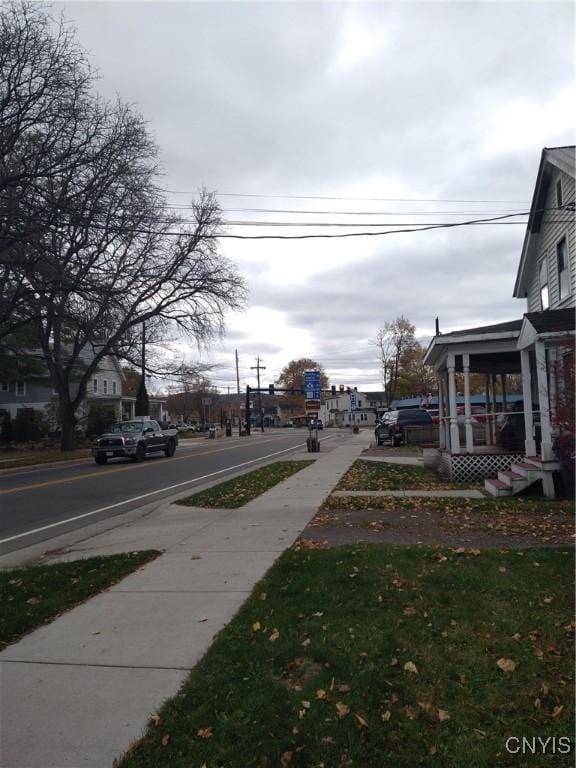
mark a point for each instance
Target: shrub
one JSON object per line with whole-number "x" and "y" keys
{"x": 100, "y": 416}
{"x": 29, "y": 425}
{"x": 7, "y": 432}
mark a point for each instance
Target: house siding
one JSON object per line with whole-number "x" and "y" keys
{"x": 545, "y": 242}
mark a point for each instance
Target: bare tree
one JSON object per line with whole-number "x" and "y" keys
{"x": 106, "y": 255}
{"x": 393, "y": 341}
{"x": 44, "y": 87}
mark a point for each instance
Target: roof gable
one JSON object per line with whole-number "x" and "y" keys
{"x": 562, "y": 158}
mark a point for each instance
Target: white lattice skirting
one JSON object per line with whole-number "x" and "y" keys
{"x": 461, "y": 468}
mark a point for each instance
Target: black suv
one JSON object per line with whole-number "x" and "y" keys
{"x": 393, "y": 422}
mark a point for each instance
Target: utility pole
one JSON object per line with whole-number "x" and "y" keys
{"x": 259, "y": 368}
{"x": 237, "y": 374}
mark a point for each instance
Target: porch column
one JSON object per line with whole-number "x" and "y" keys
{"x": 529, "y": 443}
{"x": 467, "y": 406}
{"x": 441, "y": 435}
{"x": 454, "y": 431}
{"x": 542, "y": 378}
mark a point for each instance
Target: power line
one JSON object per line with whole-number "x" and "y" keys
{"x": 337, "y": 197}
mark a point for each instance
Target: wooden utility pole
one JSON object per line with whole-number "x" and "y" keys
{"x": 237, "y": 374}
{"x": 259, "y": 368}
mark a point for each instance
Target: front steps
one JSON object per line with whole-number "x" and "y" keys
{"x": 521, "y": 475}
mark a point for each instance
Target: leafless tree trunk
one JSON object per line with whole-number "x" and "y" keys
{"x": 393, "y": 341}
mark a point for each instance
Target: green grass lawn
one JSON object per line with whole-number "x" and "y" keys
{"x": 379, "y": 476}
{"x": 235, "y": 493}
{"x": 381, "y": 656}
{"x": 11, "y": 459}
{"x": 30, "y": 597}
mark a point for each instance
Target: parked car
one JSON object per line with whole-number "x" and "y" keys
{"x": 393, "y": 422}
{"x": 316, "y": 424}
{"x": 134, "y": 439}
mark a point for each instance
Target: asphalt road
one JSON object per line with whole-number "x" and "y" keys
{"x": 42, "y": 502}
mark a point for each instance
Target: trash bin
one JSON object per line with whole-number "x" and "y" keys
{"x": 228, "y": 429}
{"x": 355, "y": 429}
{"x": 313, "y": 445}
{"x": 212, "y": 433}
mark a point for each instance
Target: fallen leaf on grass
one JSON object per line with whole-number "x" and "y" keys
{"x": 205, "y": 733}
{"x": 548, "y": 600}
{"x": 327, "y": 740}
{"x": 506, "y": 665}
{"x": 263, "y": 595}
{"x": 274, "y": 636}
{"x": 154, "y": 719}
{"x": 409, "y": 611}
{"x": 344, "y": 688}
{"x": 165, "y": 739}
{"x": 256, "y": 627}
{"x": 306, "y": 643}
{"x": 443, "y": 715}
{"x": 33, "y": 601}
{"x": 394, "y": 661}
{"x": 386, "y": 715}
{"x": 557, "y": 711}
{"x": 286, "y": 759}
{"x": 538, "y": 652}
{"x": 411, "y": 667}
{"x": 321, "y": 693}
{"x": 361, "y": 721}
{"x": 342, "y": 709}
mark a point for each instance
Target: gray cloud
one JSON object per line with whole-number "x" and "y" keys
{"x": 435, "y": 100}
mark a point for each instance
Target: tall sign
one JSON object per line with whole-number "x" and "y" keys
{"x": 312, "y": 385}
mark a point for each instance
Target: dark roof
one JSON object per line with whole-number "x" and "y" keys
{"x": 552, "y": 320}
{"x": 511, "y": 325}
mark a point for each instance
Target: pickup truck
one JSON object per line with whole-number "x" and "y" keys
{"x": 135, "y": 440}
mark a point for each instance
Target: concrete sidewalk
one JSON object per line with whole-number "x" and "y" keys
{"x": 77, "y": 692}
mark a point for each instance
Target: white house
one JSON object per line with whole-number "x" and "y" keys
{"x": 350, "y": 408}
{"x": 533, "y": 345}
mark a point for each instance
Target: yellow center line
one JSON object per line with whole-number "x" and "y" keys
{"x": 130, "y": 467}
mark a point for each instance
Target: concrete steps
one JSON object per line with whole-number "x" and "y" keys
{"x": 518, "y": 477}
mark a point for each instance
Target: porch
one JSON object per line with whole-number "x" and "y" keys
{"x": 500, "y": 442}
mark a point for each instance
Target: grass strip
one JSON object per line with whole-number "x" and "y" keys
{"x": 32, "y": 596}
{"x": 12, "y": 459}
{"x": 380, "y": 476}
{"x": 239, "y": 491}
{"x": 376, "y": 656}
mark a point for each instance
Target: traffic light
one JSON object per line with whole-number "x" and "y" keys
{"x": 333, "y": 388}
{"x": 271, "y": 389}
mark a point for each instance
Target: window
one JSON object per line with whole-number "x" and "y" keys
{"x": 20, "y": 388}
{"x": 544, "y": 298}
{"x": 4, "y": 387}
{"x": 114, "y": 388}
{"x": 94, "y": 385}
{"x": 105, "y": 387}
{"x": 559, "y": 193}
{"x": 562, "y": 266}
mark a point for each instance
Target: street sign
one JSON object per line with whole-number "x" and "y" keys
{"x": 312, "y": 385}
{"x": 353, "y": 401}
{"x": 312, "y": 405}
{"x": 206, "y": 401}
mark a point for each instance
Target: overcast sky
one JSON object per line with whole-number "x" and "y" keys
{"x": 416, "y": 112}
